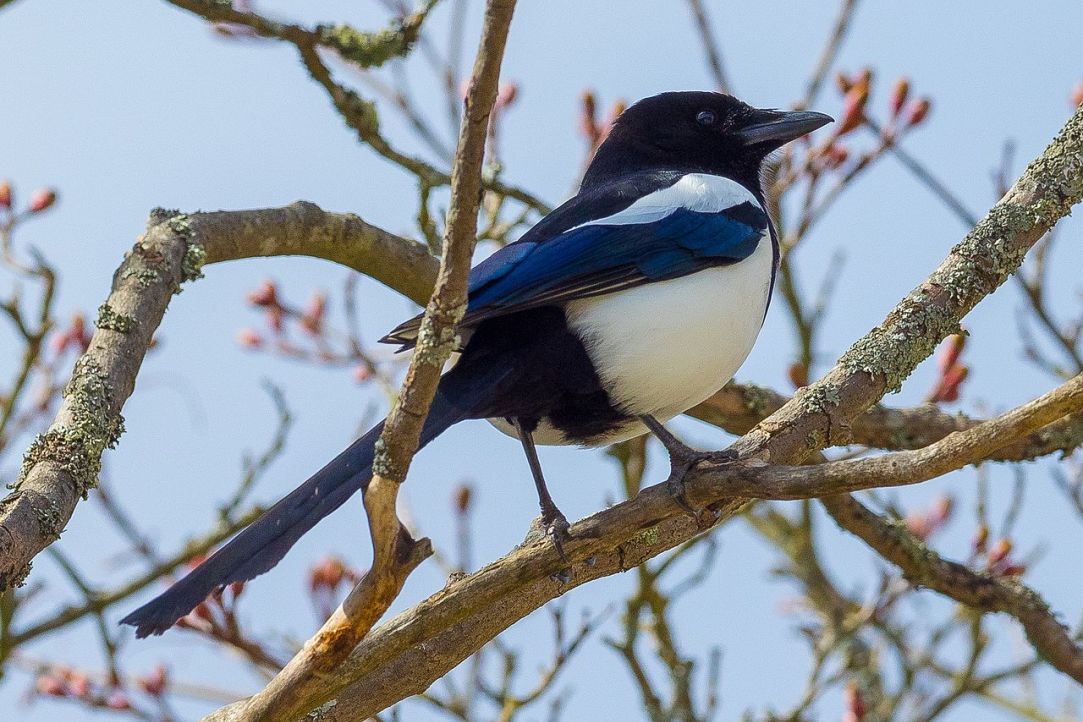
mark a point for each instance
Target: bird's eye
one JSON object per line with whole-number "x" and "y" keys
{"x": 705, "y": 117}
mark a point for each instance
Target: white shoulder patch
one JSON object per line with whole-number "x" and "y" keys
{"x": 699, "y": 192}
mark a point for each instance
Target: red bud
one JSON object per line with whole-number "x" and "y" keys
{"x": 154, "y": 683}
{"x": 463, "y": 496}
{"x": 898, "y": 96}
{"x": 588, "y": 116}
{"x": 507, "y": 95}
{"x": 853, "y": 109}
{"x": 41, "y": 199}
{"x": 119, "y": 701}
{"x": 1000, "y": 551}
{"x": 5, "y": 194}
{"x": 918, "y": 111}
{"x": 312, "y": 318}
{"x": 48, "y": 685}
{"x": 249, "y": 338}
{"x": 798, "y": 374}
{"x": 953, "y": 346}
{"x": 843, "y": 82}
{"x": 854, "y": 704}
{"x": 835, "y": 155}
{"x": 265, "y": 295}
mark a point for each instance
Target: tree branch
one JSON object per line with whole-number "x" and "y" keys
{"x": 300, "y": 685}
{"x": 739, "y": 407}
{"x": 954, "y": 451}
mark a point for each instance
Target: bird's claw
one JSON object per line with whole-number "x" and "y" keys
{"x": 556, "y": 528}
{"x": 552, "y": 526}
{"x": 682, "y": 460}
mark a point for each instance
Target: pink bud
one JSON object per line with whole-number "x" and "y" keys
{"x": 835, "y": 155}
{"x": 1077, "y": 95}
{"x": 78, "y": 685}
{"x": 312, "y": 318}
{"x": 918, "y": 111}
{"x": 48, "y": 685}
{"x": 361, "y": 373}
{"x": 250, "y": 338}
{"x": 950, "y": 354}
{"x": 42, "y": 199}
{"x": 328, "y": 573}
{"x": 119, "y": 701}
{"x": 588, "y": 117}
{"x": 1000, "y": 551}
{"x": 154, "y": 683}
{"x": 507, "y": 95}
{"x": 898, "y": 96}
{"x": 265, "y": 295}
{"x": 274, "y": 318}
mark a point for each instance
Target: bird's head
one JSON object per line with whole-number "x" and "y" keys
{"x": 698, "y": 132}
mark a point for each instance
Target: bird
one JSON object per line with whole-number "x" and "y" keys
{"x": 627, "y": 305}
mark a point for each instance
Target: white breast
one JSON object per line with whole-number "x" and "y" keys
{"x": 662, "y": 348}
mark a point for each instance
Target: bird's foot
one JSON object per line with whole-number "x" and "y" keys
{"x": 682, "y": 459}
{"x": 554, "y": 526}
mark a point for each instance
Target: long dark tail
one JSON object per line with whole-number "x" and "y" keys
{"x": 261, "y": 545}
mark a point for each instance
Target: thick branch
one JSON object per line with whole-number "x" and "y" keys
{"x": 739, "y": 407}
{"x": 954, "y": 451}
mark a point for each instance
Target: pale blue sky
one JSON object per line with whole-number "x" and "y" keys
{"x": 127, "y": 105}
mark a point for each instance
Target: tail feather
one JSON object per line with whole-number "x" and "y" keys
{"x": 261, "y": 545}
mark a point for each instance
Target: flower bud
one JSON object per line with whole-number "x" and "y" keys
{"x": 463, "y": 496}
{"x": 898, "y": 96}
{"x": 952, "y": 348}
{"x": 265, "y": 295}
{"x": 361, "y": 373}
{"x": 835, "y": 156}
{"x": 918, "y": 111}
{"x": 249, "y": 338}
{"x": 312, "y": 318}
{"x": 853, "y": 109}
{"x": 41, "y": 200}
{"x": 507, "y": 95}
{"x": 981, "y": 538}
{"x": 5, "y": 193}
{"x": 154, "y": 683}
{"x": 843, "y": 82}
{"x": 118, "y": 701}
{"x": 49, "y": 685}
{"x": 798, "y": 374}
{"x": 1077, "y": 95}
{"x": 1000, "y": 551}
{"x": 588, "y": 115}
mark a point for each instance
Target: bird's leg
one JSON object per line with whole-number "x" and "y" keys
{"x": 553, "y": 520}
{"x": 681, "y": 459}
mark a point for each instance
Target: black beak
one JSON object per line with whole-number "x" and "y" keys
{"x": 778, "y": 127}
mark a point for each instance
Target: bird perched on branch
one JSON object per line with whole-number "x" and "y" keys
{"x": 629, "y": 304}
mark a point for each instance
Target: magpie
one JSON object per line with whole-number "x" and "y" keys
{"x": 632, "y": 302}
